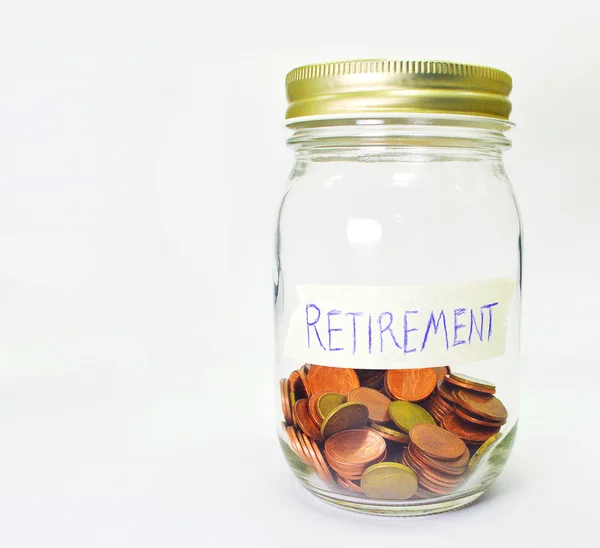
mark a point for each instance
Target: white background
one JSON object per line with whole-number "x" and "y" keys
{"x": 142, "y": 156}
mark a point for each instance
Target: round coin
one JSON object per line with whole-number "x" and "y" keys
{"x": 327, "y": 402}
{"x": 478, "y": 455}
{"x": 487, "y": 407}
{"x": 320, "y": 467}
{"x": 313, "y": 410}
{"x": 410, "y": 384}
{"x": 445, "y": 391}
{"x": 331, "y": 379}
{"x": 434, "y": 488}
{"x": 405, "y": 415}
{"x": 359, "y": 447}
{"x": 464, "y": 381}
{"x": 321, "y": 459}
{"x": 439, "y": 478}
{"x": 476, "y": 420}
{"x": 452, "y": 468}
{"x": 347, "y": 416}
{"x": 285, "y": 402}
{"x": 311, "y": 458}
{"x": 298, "y": 449}
{"x": 437, "y": 442}
{"x": 467, "y": 431}
{"x": 303, "y": 372}
{"x": 306, "y": 424}
{"x": 440, "y": 402}
{"x": 298, "y": 385}
{"x": 376, "y": 402}
{"x": 401, "y": 437}
{"x": 389, "y": 481}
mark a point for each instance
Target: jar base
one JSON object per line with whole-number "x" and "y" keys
{"x": 393, "y": 509}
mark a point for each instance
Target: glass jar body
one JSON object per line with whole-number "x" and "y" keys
{"x": 390, "y": 211}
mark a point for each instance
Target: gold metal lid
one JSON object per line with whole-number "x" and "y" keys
{"x": 384, "y": 87}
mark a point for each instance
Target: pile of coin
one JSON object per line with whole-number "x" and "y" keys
{"x": 389, "y": 434}
{"x": 438, "y": 457}
{"x": 351, "y": 452}
{"x": 467, "y": 407}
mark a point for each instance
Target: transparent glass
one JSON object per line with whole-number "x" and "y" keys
{"x": 399, "y": 202}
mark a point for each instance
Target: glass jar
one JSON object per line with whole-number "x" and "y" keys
{"x": 397, "y": 285}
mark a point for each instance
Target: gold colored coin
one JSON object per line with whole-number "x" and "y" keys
{"x": 478, "y": 455}
{"x": 464, "y": 381}
{"x": 327, "y": 402}
{"x": 347, "y": 416}
{"x": 390, "y": 433}
{"x": 405, "y": 415}
{"x": 389, "y": 481}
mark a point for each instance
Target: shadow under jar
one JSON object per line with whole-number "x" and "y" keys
{"x": 397, "y": 285}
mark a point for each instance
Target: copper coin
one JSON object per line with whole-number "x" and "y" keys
{"x": 441, "y": 402}
{"x": 484, "y": 406}
{"x": 437, "y": 442}
{"x": 437, "y": 417}
{"x": 376, "y": 402}
{"x": 332, "y": 379}
{"x": 441, "y": 372}
{"x": 285, "y": 402}
{"x": 391, "y": 439}
{"x": 467, "y": 431}
{"x": 321, "y": 459}
{"x": 390, "y": 433}
{"x": 452, "y": 468}
{"x": 435, "y": 407}
{"x": 435, "y": 474}
{"x": 464, "y": 381}
{"x": 293, "y": 437}
{"x": 430, "y": 486}
{"x": 310, "y": 456}
{"x": 430, "y": 474}
{"x": 437, "y": 402}
{"x": 313, "y": 411}
{"x": 410, "y": 384}
{"x": 301, "y": 382}
{"x": 306, "y": 424}
{"x": 359, "y": 449}
{"x": 317, "y": 463}
{"x": 355, "y": 447}
{"x": 348, "y": 484}
{"x": 297, "y": 386}
{"x": 463, "y": 414}
{"x": 289, "y": 402}
{"x": 346, "y": 475}
{"x": 445, "y": 391}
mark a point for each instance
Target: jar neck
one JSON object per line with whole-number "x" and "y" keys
{"x": 441, "y": 135}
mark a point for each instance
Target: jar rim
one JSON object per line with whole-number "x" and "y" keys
{"x": 380, "y": 86}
